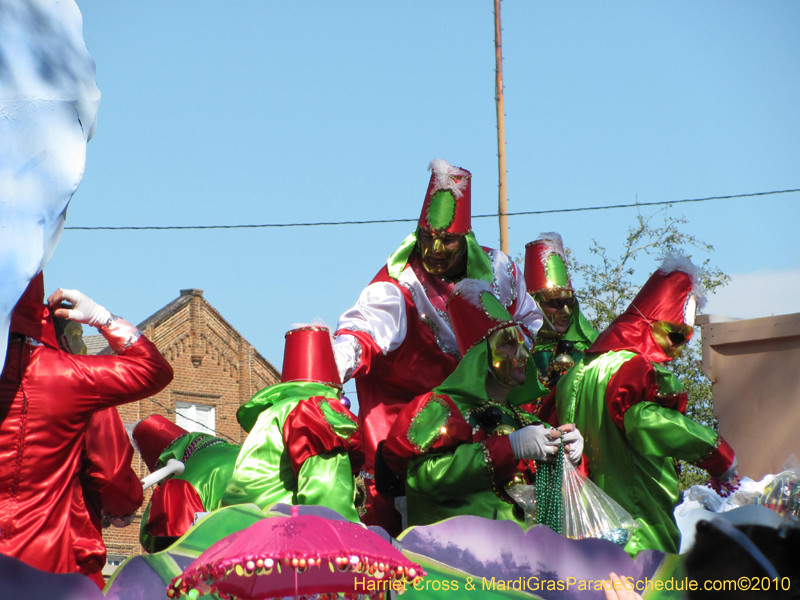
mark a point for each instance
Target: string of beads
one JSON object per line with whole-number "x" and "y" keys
{"x": 549, "y": 499}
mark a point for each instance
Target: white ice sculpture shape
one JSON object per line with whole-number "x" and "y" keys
{"x": 48, "y": 112}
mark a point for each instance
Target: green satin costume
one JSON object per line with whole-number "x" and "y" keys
{"x": 207, "y": 469}
{"x": 634, "y": 466}
{"x": 263, "y": 474}
{"x": 459, "y": 480}
{"x": 580, "y": 332}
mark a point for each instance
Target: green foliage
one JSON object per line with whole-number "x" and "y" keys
{"x": 700, "y": 407}
{"x": 606, "y": 286}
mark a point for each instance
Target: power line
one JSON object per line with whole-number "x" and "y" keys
{"x": 172, "y": 410}
{"x": 381, "y": 221}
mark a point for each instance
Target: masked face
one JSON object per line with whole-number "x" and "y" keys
{"x": 442, "y": 254}
{"x": 72, "y": 339}
{"x": 508, "y": 356}
{"x": 671, "y": 337}
{"x": 557, "y": 307}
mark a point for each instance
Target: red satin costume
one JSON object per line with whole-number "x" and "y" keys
{"x": 108, "y": 485}
{"x": 47, "y": 397}
{"x": 388, "y": 381}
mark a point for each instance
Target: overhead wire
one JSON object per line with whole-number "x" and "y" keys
{"x": 172, "y": 410}
{"x": 534, "y": 212}
{"x": 381, "y": 221}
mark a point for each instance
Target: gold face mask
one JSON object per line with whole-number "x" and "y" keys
{"x": 442, "y": 254}
{"x": 73, "y": 338}
{"x": 557, "y": 308}
{"x": 507, "y": 351}
{"x": 671, "y": 337}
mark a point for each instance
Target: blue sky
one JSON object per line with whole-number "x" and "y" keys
{"x": 244, "y": 112}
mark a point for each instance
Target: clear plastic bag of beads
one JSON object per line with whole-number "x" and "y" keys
{"x": 591, "y": 513}
{"x": 525, "y": 497}
{"x": 782, "y": 493}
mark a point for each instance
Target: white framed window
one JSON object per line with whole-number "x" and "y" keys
{"x": 196, "y": 417}
{"x": 113, "y": 561}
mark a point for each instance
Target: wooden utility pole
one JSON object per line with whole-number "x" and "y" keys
{"x": 501, "y": 130}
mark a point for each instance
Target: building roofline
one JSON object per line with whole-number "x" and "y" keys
{"x": 167, "y": 311}
{"x": 164, "y": 313}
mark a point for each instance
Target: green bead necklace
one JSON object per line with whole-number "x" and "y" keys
{"x": 549, "y": 499}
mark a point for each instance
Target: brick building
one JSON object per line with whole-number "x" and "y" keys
{"x": 216, "y": 371}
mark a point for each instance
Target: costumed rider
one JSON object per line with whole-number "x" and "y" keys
{"x": 565, "y": 333}
{"x": 208, "y": 463}
{"x": 548, "y": 282}
{"x": 630, "y": 408}
{"x": 110, "y": 488}
{"x": 303, "y": 445}
{"x": 463, "y": 445}
{"x": 397, "y": 341}
{"x": 47, "y": 397}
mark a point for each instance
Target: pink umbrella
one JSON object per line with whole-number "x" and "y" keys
{"x": 284, "y": 556}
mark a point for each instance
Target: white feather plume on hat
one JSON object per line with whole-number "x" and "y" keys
{"x": 553, "y": 244}
{"x": 471, "y": 290}
{"x": 445, "y": 174}
{"x": 677, "y": 260}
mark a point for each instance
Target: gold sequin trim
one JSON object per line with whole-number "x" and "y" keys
{"x": 487, "y": 458}
{"x": 503, "y": 325}
{"x": 308, "y": 328}
{"x": 714, "y": 448}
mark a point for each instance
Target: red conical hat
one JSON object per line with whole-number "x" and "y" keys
{"x": 673, "y": 293}
{"x": 546, "y": 265}
{"x": 153, "y": 435}
{"x": 664, "y": 297}
{"x": 447, "y": 207}
{"x": 31, "y": 317}
{"x": 475, "y": 313}
{"x": 308, "y": 356}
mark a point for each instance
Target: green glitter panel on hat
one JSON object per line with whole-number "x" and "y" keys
{"x": 556, "y": 272}
{"x": 493, "y": 308}
{"x": 441, "y": 210}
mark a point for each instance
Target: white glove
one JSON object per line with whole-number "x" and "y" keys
{"x": 173, "y": 466}
{"x": 84, "y": 309}
{"x": 534, "y": 442}
{"x": 574, "y": 440}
